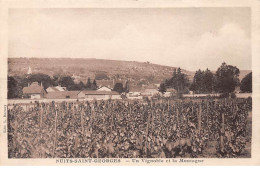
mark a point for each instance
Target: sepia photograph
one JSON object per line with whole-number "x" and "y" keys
{"x": 139, "y": 84}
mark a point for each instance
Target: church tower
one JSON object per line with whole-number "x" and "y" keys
{"x": 29, "y": 70}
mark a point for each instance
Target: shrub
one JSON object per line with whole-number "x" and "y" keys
{"x": 233, "y": 95}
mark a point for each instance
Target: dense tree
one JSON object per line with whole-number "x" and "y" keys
{"x": 94, "y": 85}
{"x": 197, "y": 85}
{"x": 203, "y": 82}
{"x": 179, "y": 81}
{"x": 246, "y": 83}
{"x": 21, "y": 83}
{"x": 79, "y": 86}
{"x": 67, "y": 82}
{"x": 162, "y": 88}
{"x": 227, "y": 78}
{"x": 13, "y": 91}
{"x": 208, "y": 81}
{"x": 41, "y": 78}
{"x": 56, "y": 79}
{"x": 126, "y": 88}
{"x": 118, "y": 88}
{"x": 88, "y": 85}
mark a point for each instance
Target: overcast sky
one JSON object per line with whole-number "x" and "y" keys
{"x": 191, "y": 38}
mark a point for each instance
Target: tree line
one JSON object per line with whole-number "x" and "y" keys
{"x": 17, "y": 83}
{"x": 224, "y": 81}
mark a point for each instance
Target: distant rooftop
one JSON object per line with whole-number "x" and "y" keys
{"x": 63, "y": 95}
{"x": 34, "y": 88}
{"x": 90, "y": 92}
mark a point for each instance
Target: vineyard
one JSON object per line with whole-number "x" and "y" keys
{"x": 210, "y": 128}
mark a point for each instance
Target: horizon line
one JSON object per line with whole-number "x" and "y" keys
{"x": 149, "y": 62}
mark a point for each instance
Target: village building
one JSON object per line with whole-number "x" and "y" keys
{"x": 106, "y": 83}
{"x": 57, "y": 88}
{"x": 134, "y": 92}
{"x": 99, "y": 95}
{"x": 51, "y": 89}
{"x": 34, "y": 91}
{"x": 104, "y": 88}
{"x": 63, "y": 95}
{"x": 60, "y": 88}
{"x": 170, "y": 92}
{"x": 150, "y": 90}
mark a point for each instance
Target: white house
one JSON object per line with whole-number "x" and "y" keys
{"x": 170, "y": 92}
{"x": 134, "y": 92}
{"x": 60, "y": 88}
{"x": 104, "y": 88}
{"x": 150, "y": 90}
{"x": 55, "y": 89}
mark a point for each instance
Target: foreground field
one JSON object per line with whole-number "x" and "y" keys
{"x": 123, "y": 129}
